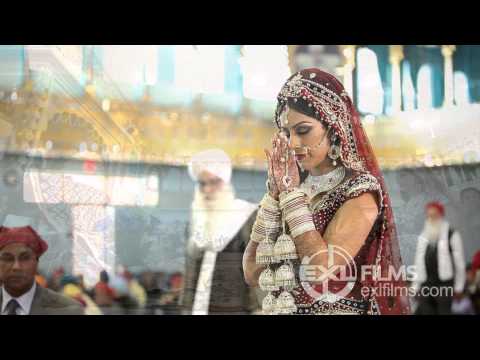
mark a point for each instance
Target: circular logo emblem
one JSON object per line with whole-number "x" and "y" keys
{"x": 315, "y": 279}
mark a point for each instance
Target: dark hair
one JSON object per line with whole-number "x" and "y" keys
{"x": 104, "y": 276}
{"x": 301, "y": 106}
{"x": 68, "y": 279}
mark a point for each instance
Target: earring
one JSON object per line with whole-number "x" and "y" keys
{"x": 334, "y": 154}
{"x": 283, "y": 116}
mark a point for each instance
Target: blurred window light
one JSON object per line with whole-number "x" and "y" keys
{"x": 462, "y": 96}
{"x": 13, "y": 66}
{"x": 212, "y": 67}
{"x": 186, "y": 75}
{"x": 369, "y": 119}
{"x": 200, "y": 69}
{"x": 106, "y": 105}
{"x": 370, "y": 90}
{"x": 265, "y": 68}
{"x": 131, "y": 64}
{"x": 69, "y": 60}
{"x": 73, "y": 188}
{"x": 424, "y": 85}
{"x": 71, "y": 57}
{"x": 408, "y": 90}
{"x": 151, "y": 64}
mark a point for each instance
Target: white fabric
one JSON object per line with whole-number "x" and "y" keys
{"x": 228, "y": 224}
{"x": 25, "y": 301}
{"x": 445, "y": 266}
{"x": 204, "y": 284}
{"x": 212, "y": 229}
{"x": 215, "y": 161}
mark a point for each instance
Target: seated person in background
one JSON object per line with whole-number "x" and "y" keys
{"x": 104, "y": 295}
{"x": 136, "y": 290}
{"x": 473, "y": 285}
{"x": 20, "y": 250}
{"x": 54, "y": 283}
{"x": 72, "y": 288}
{"x": 40, "y": 280}
{"x": 462, "y": 303}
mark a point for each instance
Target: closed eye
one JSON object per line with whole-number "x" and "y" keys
{"x": 303, "y": 130}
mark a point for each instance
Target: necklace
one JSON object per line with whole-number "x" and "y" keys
{"x": 324, "y": 183}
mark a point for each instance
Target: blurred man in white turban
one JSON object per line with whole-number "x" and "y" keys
{"x": 218, "y": 233}
{"x": 439, "y": 263}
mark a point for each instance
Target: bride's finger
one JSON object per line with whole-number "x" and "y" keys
{"x": 291, "y": 157}
{"x": 283, "y": 149}
{"x": 269, "y": 160}
{"x": 271, "y": 171}
{"x": 272, "y": 156}
{"x": 276, "y": 150}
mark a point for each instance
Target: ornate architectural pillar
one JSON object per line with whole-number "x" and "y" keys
{"x": 447, "y": 52}
{"x": 90, "y": 71}
{"x": 348, "y": 67}
{"x": 396, "y": 57}
{"x": 291, "y": 57}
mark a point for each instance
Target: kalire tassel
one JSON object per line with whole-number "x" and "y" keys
{"x": 285, "y": 303}
{"x": 269, "y": 305}
{"x": 266, "y": 281}
{"x": 264, "y": 255}
{"x": 284, "y": 249}
{"x": 285, "y": 277}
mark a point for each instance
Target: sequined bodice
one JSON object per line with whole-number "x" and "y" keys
{"x": 324, "y": 208}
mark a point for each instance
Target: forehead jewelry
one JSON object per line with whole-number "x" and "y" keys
{"x": 284, "y": 116}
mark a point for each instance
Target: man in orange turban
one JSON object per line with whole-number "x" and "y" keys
{"x": 20, "y": 251}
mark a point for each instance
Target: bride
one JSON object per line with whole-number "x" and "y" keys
{"x": 326, "y": 216}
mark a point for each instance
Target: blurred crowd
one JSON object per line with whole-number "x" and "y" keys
{"x": 120, "y": 293}
{"x": 466, "y": 302}
{"x": 469, "y": 301}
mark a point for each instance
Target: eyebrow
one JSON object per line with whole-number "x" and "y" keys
{"x": 22, "y": 253}
{"x": 294, "y": 126}
{"x": 25, "y": 253}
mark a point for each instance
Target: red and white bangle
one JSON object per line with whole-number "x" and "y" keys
{"x": 298, "y": 216}
{"x": 268, "y": 221}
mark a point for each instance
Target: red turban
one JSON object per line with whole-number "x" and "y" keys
{"x": 436, "y": 205}
{"x": 476, "y": 262}
{"x": 23, "y": 235}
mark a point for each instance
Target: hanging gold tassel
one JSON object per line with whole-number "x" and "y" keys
{"x": 264, "y": 254}
{"x": 285, "y": 303}
{"x": 285, "y": 277}
{"x": 284, "y": 249}
{"x": 266, "y": 281}
{"x": 269, "y": 305}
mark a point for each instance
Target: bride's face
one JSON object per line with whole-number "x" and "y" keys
{"x": 305, "y": 131}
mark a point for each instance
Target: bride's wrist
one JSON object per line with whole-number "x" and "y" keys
{"x": 298, "y": 216}
{"x": 274, "y": 195}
